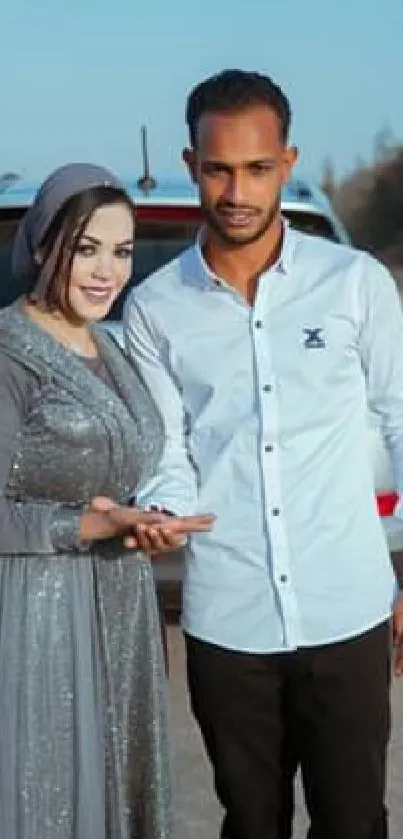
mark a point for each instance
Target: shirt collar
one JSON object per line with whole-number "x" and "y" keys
{"x": 282, "y": 266}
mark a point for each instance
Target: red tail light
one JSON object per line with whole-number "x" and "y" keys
{"x": 386, "y": 503}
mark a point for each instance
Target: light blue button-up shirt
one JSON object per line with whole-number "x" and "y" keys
{"x": 266, "y": 410}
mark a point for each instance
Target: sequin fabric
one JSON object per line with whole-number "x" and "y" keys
{"x": 84, "y": 750}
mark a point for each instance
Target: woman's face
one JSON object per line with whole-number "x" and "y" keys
{"x": 102, "y": 263}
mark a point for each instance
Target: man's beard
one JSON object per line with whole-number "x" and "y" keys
{"x": 240, "y": 241}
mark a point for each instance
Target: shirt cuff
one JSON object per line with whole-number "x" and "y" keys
{"x": 398, "y": 508}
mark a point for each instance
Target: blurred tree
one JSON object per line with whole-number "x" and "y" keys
{"x": 370, "y": 202}
{"x": 384, "y": 145}
{"x": 328, "y": 180}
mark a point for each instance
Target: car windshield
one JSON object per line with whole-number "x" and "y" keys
{"x": 157, "y": 242}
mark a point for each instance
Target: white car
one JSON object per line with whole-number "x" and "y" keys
{"x": 168, "y": 216}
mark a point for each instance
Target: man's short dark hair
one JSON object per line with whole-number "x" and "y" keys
{"x": 233, "y": 90}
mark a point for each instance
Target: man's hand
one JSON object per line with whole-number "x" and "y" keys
{"x": 397, "y": 627}
{"x": 156, "y": 533}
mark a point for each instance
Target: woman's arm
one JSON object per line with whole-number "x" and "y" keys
{"x": 36, "y": 527}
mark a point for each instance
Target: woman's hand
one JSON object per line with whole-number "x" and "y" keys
{"x": 97, "y": 522}
{"x": 151, "y": 532}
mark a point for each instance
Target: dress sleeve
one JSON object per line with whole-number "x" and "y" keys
{"x": 27, "y": 527}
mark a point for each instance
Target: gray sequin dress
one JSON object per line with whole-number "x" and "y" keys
{"x": 83, "y": 722}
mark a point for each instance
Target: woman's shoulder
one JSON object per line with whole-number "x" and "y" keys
{"x": 12, "y": 328}
{"x": 16, "y": 372}
{"x": 15, "y": 378}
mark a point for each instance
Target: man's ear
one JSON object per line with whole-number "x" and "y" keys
{"x": 290, "y": 158}
{"x": 189, "y": 158}
{"x": 292, "y": 155}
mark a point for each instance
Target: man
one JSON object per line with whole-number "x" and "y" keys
{"x": 263, "y": 347}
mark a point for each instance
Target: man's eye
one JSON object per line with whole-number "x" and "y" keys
{"x": 261, "y": 168}
{"x": 214, "y": 169}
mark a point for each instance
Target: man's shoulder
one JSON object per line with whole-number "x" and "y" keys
{"x": 326, "y": 250}
{"x": 327, "y": 262}
{"x": 335, "y": 253}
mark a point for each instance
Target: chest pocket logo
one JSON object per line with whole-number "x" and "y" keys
{"x": 314, "y": 339}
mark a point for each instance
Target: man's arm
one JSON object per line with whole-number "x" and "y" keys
{"x": 382, "y": 358}
{"x": 381, "y": 346}
{"x": 173, "y": 486}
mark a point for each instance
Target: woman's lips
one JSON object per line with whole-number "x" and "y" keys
{"x": 96, "y": 295}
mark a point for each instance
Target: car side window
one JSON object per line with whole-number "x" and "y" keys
{"x": 10, "y": 287}
{"x": 311, "y": 223}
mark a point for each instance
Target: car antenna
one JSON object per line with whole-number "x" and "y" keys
{"x": 6, "y": 180}
{"x": 146, "y": 183}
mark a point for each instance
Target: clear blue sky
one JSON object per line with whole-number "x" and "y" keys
{"x": 79, "y": 77}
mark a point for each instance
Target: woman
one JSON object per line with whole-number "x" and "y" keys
{"x": 83, "y": 745}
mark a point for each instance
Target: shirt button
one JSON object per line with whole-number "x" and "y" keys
{"x": 275, "y": 511}
{"x": 267, "y": 388}
{"x": 283, "y": 578}
{"x": 258, "y": 324}
{"x": 268, "y": 448}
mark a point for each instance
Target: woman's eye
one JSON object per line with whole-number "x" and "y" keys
{"x": 89, "y": 250}
{"x": 124, "y": 253}
{"x": 86, "y": 250}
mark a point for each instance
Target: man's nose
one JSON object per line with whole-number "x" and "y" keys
{"x": 235, "y": 191}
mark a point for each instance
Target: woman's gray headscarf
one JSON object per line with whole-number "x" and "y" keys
{"x": 58, "y": 188}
